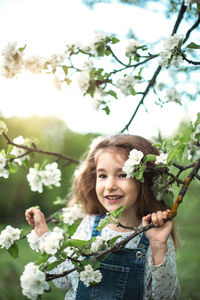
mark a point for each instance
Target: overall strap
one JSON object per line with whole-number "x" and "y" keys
{"x": 143, "y": 242}
{"x": 96, "y": 232}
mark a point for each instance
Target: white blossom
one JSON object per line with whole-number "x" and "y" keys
{"x": 161, "y": 159}
{"x": 34, "y": 64}
{"x": 51, "y": 175}
{"x": 171, "y": 42}
{"x": 99, "y": 39}
{"x": 53, "y": 61}
{"x": 132, "y": 47}
{"x": 134, "y": 159}
{"x": 35, "y": 180}
{"x": 3, "y": 127}
{"x": 51, "y": 243}
{"x": 8, "y": 236}
{"x": 88, "y": 65}
{"x": 169, "y": 46}
{"x": 33, "y": 240}
{"x": 2, "y": 161}
{"x": 189, "y": 2}
{"x": 33, "y": 281}
{"x": 126, "y": 84}
{"x": 3, "y": 172}
{"x": 84, "y": 79}
{"x": 12, "y": 60}
{"x": 89, "y": 276}
{"x": 173, "y": 96}
{"x": 19, "y": 151}
{"x": 71, "y": 214}
{"x": 97, "y": 244}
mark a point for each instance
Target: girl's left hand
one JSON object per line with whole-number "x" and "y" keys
{"x": 160, "y": 233}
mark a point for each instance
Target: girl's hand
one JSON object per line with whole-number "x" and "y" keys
{"x": 36, "y": 219}
{"x": 158, "y": 235}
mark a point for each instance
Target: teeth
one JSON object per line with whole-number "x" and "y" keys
{"x": 113, "y": 197}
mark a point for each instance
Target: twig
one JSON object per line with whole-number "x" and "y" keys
{"x": 190, "y": 61}
{"x": 36, "y": 150}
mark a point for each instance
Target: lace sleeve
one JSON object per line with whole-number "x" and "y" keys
{"x": 165, "y": 283}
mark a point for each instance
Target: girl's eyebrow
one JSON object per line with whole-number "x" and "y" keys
{"x": 104, "y": 170}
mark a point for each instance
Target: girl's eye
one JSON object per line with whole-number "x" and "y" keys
{"x": 101, "y": 176}
{"x": 123, "y": 175}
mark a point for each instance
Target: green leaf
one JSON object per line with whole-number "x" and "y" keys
{"x": 139, "y": 174}
{"x": 55, "y": 264}
{"x": 114, "y": 40}
{"x": 117, "y": 212}
{"x": 72, "y": 228}
{"x": 14, "y": 250}
{"x": 133, "y": 92}
{"x": 149, "y": 157}
{"x": 22, "y": 48}
{"x": 10, "y": 148}
{"x": 103, "y": 222}
{"x": 13, "y": 168}
{"x": 193, "y": 46}
{"x": 77, "y": 243}
{"x": 112, "y": 93}
{"x": 136, "y": 57}
{"x": 42, "y": 259}
{"x": 112, "y": 241}
{"x": 91, "y": 89}
{"x": 65, "y": 69}
{"x": 107, "y": 110}
{"x": 172, "y": 154}
{"x": 3, "y": 152}
{"x": 59, "y": 201}
{"x": 36, "y": 166}
{"x": 25, "y": 163}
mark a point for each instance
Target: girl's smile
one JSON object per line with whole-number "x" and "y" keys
{"x": 113, "y": 188}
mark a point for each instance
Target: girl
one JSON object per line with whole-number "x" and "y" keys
{"x": 146, "y": 267}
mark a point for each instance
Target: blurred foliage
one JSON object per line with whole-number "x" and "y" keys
{"x": 169, "y": 6}
{"x": 53, "y": 135}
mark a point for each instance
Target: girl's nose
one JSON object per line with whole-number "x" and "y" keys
{"x": 111, "y": 183}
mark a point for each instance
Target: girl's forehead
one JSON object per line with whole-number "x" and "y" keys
{"x": 117, "y": 154}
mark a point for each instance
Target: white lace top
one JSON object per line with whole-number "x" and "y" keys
{"x": 160, "y": 282}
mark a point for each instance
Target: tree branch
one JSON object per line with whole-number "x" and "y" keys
{"x": 36, "y": 150}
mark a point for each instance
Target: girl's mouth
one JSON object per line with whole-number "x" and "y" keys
{"x": 113, "y": 198}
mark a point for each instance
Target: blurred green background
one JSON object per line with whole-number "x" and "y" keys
{"x": 16, "y": 196}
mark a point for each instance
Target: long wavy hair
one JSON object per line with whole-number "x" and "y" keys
{"x": 84, "y": 186}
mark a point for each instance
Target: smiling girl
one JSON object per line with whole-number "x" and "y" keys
{"x": 146, "y": 267}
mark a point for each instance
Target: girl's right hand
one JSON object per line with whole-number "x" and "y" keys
{"x": 36, "y": 219}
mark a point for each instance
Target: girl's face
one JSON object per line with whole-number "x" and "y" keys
{"x": 113, "y": 189}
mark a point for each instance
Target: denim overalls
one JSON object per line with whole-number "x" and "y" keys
{"x": 122, "y": 271}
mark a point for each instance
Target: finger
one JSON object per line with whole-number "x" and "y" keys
{"x": 146, "y": 219}
{"x": 154, "y": 219}
{"x": 160, "y": 218}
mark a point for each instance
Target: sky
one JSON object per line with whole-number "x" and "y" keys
{"x": 45, "y": 27}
